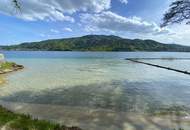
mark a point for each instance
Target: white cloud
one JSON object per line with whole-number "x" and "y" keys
{"x": 42, "y": 35}
{"x": 68, "y": 29}
{"x": 124, "y": 1}
{"x": 53, "y": 10}
{"x": 109, "y": 21}
{"x": 181, "y": 35}
{"x": 54, "y": 31}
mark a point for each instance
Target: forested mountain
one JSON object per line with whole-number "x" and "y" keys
{"x": 97, "y": 43}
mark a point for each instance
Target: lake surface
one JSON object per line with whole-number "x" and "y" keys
{"x": 97, "y": 90}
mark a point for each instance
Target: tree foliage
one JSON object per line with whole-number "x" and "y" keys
{"x": 179, "y": 11}
{"x": 16, "y": 4}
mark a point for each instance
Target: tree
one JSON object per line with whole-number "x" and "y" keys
{"x": 16, "y": 4}
{"x": 178, "y": 12}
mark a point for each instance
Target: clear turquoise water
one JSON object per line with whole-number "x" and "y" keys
{"x": 97, "y": 80}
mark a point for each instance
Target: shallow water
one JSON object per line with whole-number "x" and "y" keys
{"x": 94, "y": 81}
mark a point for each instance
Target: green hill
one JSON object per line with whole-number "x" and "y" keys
{"x": 97, "y": 43}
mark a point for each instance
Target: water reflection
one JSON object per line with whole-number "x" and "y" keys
{"x": 98, "y": 91}
{"x": 2, "y": 79}
{"x": 99, "y": 119}
{"x": 119, "y": 96}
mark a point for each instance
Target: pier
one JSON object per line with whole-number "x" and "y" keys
{"x": 136, "y": 60}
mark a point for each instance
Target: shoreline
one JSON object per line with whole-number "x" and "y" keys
{"x": 90, "y": 119}
{"x": 13, "y": 120}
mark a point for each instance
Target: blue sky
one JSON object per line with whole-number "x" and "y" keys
{"x": 52, "y": 19}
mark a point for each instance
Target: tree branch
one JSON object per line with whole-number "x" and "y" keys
{"x": 178, "y": 12}
{"x": 16, "y": 4}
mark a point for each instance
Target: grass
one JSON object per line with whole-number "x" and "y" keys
{"x": 14, "y": 121}
{"x": 7, "y": 65}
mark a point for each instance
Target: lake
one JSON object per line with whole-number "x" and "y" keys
{"x": 98, "y": 90}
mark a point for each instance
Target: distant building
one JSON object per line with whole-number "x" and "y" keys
{"x": 2, "y": 57}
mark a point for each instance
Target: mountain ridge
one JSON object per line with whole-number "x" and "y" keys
{"x": 97, "y": 43}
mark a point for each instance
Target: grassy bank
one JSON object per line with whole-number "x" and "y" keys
{"x": 6, "y": 67}
{"x": 12, "y": 121}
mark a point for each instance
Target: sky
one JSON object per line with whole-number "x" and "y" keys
{"x": 52, "y": 19}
